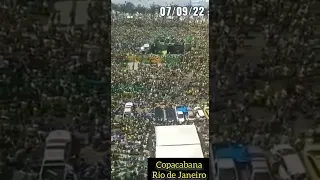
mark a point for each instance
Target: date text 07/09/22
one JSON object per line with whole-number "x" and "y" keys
{"x": 181, "y": 11}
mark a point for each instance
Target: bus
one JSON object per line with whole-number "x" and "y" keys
{"x": 178, "y": 141}
{"x": 56, "y": 156}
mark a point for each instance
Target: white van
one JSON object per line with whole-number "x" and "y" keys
{"x": 180, "y": 116}
{"x": 128, "y": 107}
{"x": 56, "y": 156}
{"x": 225, "y": 169}
{"x": 291, "y": 164}
{"x": 260, "y": 170}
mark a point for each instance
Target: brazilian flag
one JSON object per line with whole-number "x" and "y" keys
{"x": 188, "y": 40}
{"x": 172, "y": 60}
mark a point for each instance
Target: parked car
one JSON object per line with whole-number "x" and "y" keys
{"x": 180, "y": 116}
{"x": 291, "y": 166}
{"x": 128, "y": 107}
{"x": 311, "y": 156}
{"x": 199, "y": 112}
{"x": 191, "y": 116}
{"x": 225, "y": 169}
{"x": 260, "y": 170}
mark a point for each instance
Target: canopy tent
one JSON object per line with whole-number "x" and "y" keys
{"x": 182, "y": 151}
{"x": 178, "y": 141}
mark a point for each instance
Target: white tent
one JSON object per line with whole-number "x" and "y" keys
{"x": 178, "y": 141}
{"x": 177, "y": 135}
{"x": 184, "y": 151}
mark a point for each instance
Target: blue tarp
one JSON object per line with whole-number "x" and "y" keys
{"x": 237, "y": 152}
{"x": 184, "y": 109}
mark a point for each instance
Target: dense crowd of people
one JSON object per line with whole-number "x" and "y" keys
{"x": 53, "y": 77}
{"x": 153, "y": 85}
{"x": 264, "y": 73}
{"x": 263, "y": 92}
